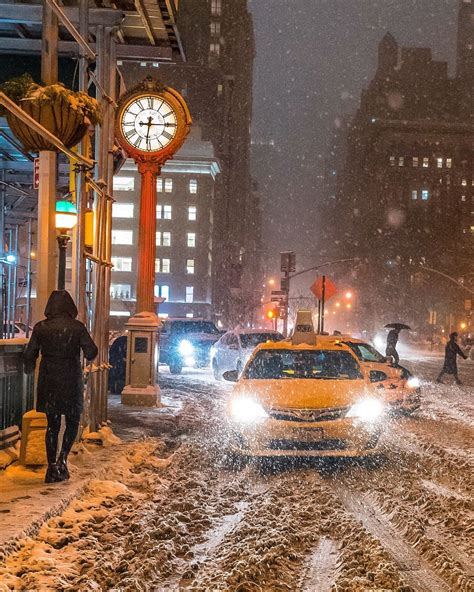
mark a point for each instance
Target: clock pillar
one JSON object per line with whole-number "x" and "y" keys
{"x": 149, "y": 171}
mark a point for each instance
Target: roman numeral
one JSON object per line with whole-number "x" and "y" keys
{"x": 130, "y": 133}
{"x": 167, "y": 135}
{"x": 128, "y": 123}
{"x": 166, "y": 114}
{"x": 150, "y": 102}
{"x": 170, "y": 124}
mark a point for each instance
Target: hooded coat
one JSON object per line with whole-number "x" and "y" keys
{"x": 450, "y": 356}
{"x": 60, "y": 339}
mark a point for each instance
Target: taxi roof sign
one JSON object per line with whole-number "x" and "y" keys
{"x": 304, "y": 329}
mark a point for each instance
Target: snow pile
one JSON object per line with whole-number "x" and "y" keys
{"x": 9, "y": 455}
{"x": 104, "y": 437}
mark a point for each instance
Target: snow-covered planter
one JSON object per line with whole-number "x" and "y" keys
{"x": 65, "y": 113}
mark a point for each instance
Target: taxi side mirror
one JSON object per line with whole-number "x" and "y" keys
{"x": 231, "y": 376}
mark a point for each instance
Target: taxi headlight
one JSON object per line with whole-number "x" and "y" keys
{"x": 186, "y": 348}
{"x": 367, "y": 410}
{"x": 414, "y": 382}
{"x": 246, "y": 410}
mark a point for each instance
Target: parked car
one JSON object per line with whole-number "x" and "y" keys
{"x": 234, "y": 348}
{"x": 18, "y": 329}
{"x": 186, "y": 342}
{"x": 402, "y": 390}
{"x": 303, "y": 400}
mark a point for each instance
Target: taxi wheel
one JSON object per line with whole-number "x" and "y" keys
{"x": 176, "y": 367}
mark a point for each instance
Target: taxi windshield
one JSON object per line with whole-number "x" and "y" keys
{"x": 366, "y": 352}
{"x": 315, "y": 364}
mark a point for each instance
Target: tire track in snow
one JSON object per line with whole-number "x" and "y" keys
{"x": 322, "y": 567}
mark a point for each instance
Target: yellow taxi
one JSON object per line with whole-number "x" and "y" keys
{"x": 401, "y": 390}
{"x": 303, "y": 398}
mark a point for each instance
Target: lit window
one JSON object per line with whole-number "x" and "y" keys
{"x": 189, "y": 315}
{"x": 415, "y": 161}
{"x": 193, "y": 186}
{"x": 168, "y": 185}
{"x": 122, "y": 263}
{"x": 189, "y": 293}
{"x": 439, "y": 163}
{"x": 449, "y": 162}
{"x": 425, "y": 194}
{"x": 216, "y": 7}
{"x": 162, "y": 266}
{"x": 163, "y": 291}
{"x": 215, "y": 28}
{"x": 189, "y": 265}
{"x": 124, "y": 183}
{"x": 192, "y": 212}
{"x": 159, "y": 185}
{"x": 401, "y": 161}
{"x": 215, "y": 49}
{"x": 163, "y": 212}
{"x": 463, "y": 198}
{"x": 122, "y": 237}
{"x": 68, "y": 262}
{"x": 220, "y": 88}
{"x": 122, "y": 210}
{"x": 464, "y": 182}
{"x": 120, "y": 291}
{"x": 163, "y": 239}
{"x": 414, "y": 194}
{"x": 426, "y": 162}
{"x": 191, "y": 239}
{"x": 392, "y": 161}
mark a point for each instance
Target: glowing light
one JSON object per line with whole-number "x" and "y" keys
{"x": 348, "y": 295}
{"x": 245, "y": 410}
{"x": 66, "y": 215}
{"x": 413, "y": 382}
{"x": 10, "y": 258}
{"x": 367, "y": 410}
{"x": 349, "y": 305}
{"x": 271, "y": 282}
{"x": 32, "y": 254}
{"x": 338, "y": 304}
{"x": 186, "y": 348}
{"x": 463, "y": 325}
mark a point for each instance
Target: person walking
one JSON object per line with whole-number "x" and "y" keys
{"x": 391, "y": 349}
{"x": 59, "y": 338}
{"x": 451, "y": 352}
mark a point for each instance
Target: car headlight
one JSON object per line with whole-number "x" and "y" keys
{"x": 414, "y": 382}
{"x": 186, "y": 348}
{"x": 367, "y": 410}
{"x": 246, "y": 410}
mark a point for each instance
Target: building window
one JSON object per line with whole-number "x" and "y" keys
{"x": 120, "y": 291}
{"x": 122, "y": 237}
{"x": 168, "y": 185}
{"x": 463, "y": 198}
{"x": 122, "y": 210}
{"x": 124, "y": 183}
{"x": 163, "y": 239}
{"x": 193, "y": 185}
{"x": 163, "y": 212}
{"x": 122, "y": 263}
{"x": 191, "y": 239}
{"x": 439, "y": 163}
{"x": 464, "y": 182}
{"x": 392, "y": 161}
{"x": 189, "y": 315}
{"x": 215, "y": 49}
{"x": 401, "y": 160}
{"x": 215, "y": 28}
{"x": 159, "y": 185}
{"x": 449, "y": 162}
{"x": 216, "y": 7}
{"x": 426, "y": 162}
{"x": 189, "y": 265}
{"x": 162, "y": 266}
{"x": 189, "y": 294}
{"x": 415, "y": 161}
{"x": 425, "y": 194}
{"x": 220, "y": 88}
{"x": 192, "y": 213}
{"x": 163, "y": 291}
{"x": 414, "y": 194}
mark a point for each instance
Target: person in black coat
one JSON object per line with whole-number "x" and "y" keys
{"x": 450, "y": 358}
{"x": 391, "y": 350}
{"x": 60, "y": 389}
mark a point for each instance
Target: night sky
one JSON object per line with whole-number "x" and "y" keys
{"x": 313, "y": 57}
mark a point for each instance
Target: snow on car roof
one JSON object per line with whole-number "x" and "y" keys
{"x": 244, "y": 331}
{"x": 328, "y": 345}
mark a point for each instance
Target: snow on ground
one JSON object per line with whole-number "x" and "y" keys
{"x": 171, "y": 515}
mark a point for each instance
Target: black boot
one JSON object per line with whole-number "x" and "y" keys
{"x": 52, "y": 474}
{"x": 62, "y": 467}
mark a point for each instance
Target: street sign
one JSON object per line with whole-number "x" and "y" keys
{"x": 278, "y": 296}
{"x": 329, "y": 288}
{"x": 285, "y": 284}
{"x": 288, "y": 261}
{"x": 36, "y": 173}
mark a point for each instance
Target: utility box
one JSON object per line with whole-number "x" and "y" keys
{"x": 141, "y": 388}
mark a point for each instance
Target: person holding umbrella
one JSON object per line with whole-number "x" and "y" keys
{"x": 450, "y": 366}
{"x": 392, "y": 340}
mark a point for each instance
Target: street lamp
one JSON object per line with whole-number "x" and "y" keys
{"x": 66, "y": 219}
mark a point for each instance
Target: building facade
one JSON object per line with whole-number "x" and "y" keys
{"x": 184, "y": 263}
{"x": 405, "y": 193}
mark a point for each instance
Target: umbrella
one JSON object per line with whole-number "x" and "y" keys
{"x": 398, "y": 326}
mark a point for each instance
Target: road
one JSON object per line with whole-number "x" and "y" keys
{"x": 173, "y": 516}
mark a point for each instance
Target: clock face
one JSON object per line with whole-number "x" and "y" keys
{"x": 149, "y": 123}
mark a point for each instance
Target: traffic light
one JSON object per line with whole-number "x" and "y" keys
{"x": 272, "y": 313}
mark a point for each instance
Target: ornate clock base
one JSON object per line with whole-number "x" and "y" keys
{"x": 141, "y": 397}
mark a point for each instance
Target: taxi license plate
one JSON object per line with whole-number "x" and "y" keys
{"x": 307, "y": 434}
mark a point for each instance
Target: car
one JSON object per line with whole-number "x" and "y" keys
{"x": 304, "y": 399}
{"x": 402, "y": 389}
{"x": 17, "y": 329}
{"x": 186, "y": 342}
{"x": 234, "y": 348}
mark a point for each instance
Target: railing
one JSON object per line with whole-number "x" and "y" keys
{"x": 16, "y": 387}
